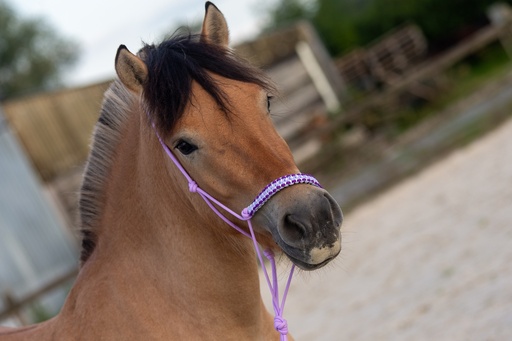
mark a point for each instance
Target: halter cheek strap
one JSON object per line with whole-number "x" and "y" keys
{"x": 280, "y": 324}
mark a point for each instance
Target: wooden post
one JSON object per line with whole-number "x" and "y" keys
{"x": 500, "y": 15}
{"x": 324, "y": 63}
{"x": 322, "y": 84}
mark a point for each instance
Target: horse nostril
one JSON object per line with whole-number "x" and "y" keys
{"x": 292, "y": 230}
{"x": 336, "y": 213}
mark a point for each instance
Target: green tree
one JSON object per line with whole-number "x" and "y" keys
{"x": 337, "y": 22}
{"x": 443, "y": 22}
{"x": 285, "y": 12}
{"x": 32, "y": 55}
{"x": 346, "y": 24}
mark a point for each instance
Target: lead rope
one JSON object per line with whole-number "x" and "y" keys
{"x": 280, "y": 324}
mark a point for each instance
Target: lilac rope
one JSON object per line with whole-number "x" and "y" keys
{"x": 277, "y": 185}
{"x": 280, "y": 324}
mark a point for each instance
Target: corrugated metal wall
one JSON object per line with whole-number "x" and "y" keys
{"x": 34, "y": 246}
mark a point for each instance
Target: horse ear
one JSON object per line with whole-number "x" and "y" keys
{"x": 130, "y": 69}
{"x": 215, "y": 29}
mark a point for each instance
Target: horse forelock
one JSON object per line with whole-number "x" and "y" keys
{"x": 175, "y": 63}
{"x": 106, "y": 136}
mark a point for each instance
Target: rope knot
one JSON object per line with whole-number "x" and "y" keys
{"x": 245, "y": 214}
{"x": 281, "y": 325}
{"x": 192, "y": 186}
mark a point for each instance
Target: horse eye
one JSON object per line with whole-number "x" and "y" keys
{"x": 185, "y": 148}
{"x": 269, "y": 98}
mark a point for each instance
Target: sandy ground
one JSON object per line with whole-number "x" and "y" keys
{"x": 429, "y": 259}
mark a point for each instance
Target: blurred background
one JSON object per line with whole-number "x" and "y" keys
{"x": 371, "y": 92}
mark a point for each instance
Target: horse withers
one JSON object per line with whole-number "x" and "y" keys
{"x": 157, "y": 263}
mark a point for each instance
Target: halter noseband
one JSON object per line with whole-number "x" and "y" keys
{"x": 247, "y": 213}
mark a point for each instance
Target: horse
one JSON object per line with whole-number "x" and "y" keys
{"x": 157, "y": 262}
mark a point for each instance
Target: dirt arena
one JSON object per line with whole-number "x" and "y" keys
{"x": 429, "y": 259}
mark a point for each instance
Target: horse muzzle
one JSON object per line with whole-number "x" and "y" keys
{"x": 306, "y": 225}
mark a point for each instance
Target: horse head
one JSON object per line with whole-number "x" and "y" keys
{"x": 213, "y": 111}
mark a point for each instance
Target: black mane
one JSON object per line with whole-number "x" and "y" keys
{"x": 176, "y": 62}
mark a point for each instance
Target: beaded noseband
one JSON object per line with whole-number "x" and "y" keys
{"x": 247, "y": 213}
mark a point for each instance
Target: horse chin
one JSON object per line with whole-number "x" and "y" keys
{"x": 307, "y": 266}
{"x": 313, "y": 259}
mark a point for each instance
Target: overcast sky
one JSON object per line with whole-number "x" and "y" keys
{"x": 100, "y": 26}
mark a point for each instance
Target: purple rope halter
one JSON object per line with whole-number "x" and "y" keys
{"x": 280, "y": 324}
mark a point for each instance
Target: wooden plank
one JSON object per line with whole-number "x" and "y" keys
{"x": 289, "y": 76}
{"x": 321, "y": 80}
{"x": 270, "y": 49}
{"x": 383, "y": 60}
{"x": 55, "y": 128}
{"x": 323, "y": 60}
{"x": 300, "y": 121}
{"x": 284, "y": 108}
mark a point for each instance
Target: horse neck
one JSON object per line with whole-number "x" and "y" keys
{"x": 155, "y": 246}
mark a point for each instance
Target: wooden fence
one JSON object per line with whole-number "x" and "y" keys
{"x": 385, "y": 59}
{"x": 55, "y": 128}
{"x": 499, "y": 30}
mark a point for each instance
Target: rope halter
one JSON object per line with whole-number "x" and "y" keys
{"x": 280, "y": 324}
